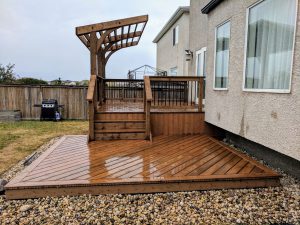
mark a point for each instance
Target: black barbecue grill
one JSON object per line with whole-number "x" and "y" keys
{"x": 50, "y": 109}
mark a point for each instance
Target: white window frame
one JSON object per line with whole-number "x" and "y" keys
{"x": 175, "y": 35}
{"x": 202, "y": 50}
{"x": 280, "y": 91}
{"x": 215, "y": 54}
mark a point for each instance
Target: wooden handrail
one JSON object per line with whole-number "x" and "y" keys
{"x": 175, "y": 78}
{"x": 148, "y": 90}
{"x": 91, "y": 95}
{"x": 123, "y": 80}
{"x": 91, "y": 88}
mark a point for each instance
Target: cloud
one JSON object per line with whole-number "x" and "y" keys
{"x": 39, "y": 36}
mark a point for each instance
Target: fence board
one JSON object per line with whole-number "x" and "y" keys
{"x": 23, "y": 97}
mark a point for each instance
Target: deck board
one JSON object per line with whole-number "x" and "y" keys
{"x": 169, "y": 163}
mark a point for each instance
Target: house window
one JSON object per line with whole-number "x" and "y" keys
{"x": 201, "y": 62}
{"x": 222, "y": 56}
{"x": 270, "y": 42}
{"x": 173, "y": 71}
{"x": 175, "y": 35}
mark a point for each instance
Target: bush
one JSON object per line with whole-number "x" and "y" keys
{"x": 29, "y": 81}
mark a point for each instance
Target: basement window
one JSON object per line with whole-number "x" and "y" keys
{"x": 173, "y": 71}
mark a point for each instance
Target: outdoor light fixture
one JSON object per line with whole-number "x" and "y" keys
{"x": 188, "y": 54}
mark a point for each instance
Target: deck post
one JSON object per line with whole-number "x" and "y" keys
{"x": 147, "y": 105}
{"x": 200, "y": 94}
{"x": 93, "y": 53}
{"x": 101, "y": 75}
{"x": 91, "y": 121}
{"x": 91, "y": 100}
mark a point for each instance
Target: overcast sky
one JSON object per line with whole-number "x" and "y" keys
{"x": 39, "y": 36}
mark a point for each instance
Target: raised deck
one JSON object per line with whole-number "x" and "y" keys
{"x": 73, "y": 166}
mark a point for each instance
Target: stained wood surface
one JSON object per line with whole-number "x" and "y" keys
{"x": 175, "y": 163}
{"x": 110, "y": 24}
{"x": 23, "y": 98}
{"x": 91, "y": 88}
{"x": 163, "y": 121}
{"x": 178, "y": 123}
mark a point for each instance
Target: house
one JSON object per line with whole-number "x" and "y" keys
{"x": 162, "y": 142}
{"x": 249, "y": 53}
{"x": 172, "y": 41}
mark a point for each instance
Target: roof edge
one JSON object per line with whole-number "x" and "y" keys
{"x": 210, "y": 6}
{"x": 178, "y": 13}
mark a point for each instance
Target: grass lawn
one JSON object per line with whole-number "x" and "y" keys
{"x": 19, "y": 139}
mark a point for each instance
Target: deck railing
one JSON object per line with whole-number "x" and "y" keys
{"x": 177, "y": 92}
{"x": 174, "y": 92}
{"x": 124, "y": 89}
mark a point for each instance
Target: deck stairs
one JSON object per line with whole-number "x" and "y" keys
{"x": 120, "y": 126}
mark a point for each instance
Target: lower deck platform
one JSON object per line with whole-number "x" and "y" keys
{"x": 168, "y": 163}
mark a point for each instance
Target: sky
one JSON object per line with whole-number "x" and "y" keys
{"x": 39, "y": 36}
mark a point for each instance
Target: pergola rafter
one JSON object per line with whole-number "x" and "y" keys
{"x": 104, "y": 39}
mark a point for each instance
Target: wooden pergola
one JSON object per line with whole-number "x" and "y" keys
{"x": 104, "y": 39}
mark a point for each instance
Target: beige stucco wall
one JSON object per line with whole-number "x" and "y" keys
{"x": 272, "y": 120}
{"x": 169, "y": 56}
{"x": 198, "y": 31}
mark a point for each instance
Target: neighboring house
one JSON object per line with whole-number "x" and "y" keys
{"x": 172, "y": 41}
{"x": 250, "y": 54}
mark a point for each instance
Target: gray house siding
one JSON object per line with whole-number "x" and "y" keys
{"x": 169, "y": 56}
{"x": 198, "y": 31}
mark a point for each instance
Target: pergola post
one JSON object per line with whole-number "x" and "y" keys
{"x": 93, "y": 55}
{"x": 101, "y": 74}
{"x": 113, "y": 36}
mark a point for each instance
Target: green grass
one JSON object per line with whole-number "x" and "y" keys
{"x": 7, "y": 139}
{"x": 19, "y": 139}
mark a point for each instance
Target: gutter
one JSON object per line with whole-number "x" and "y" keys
{"x": 210, "y": 6}
{"x": 178, "y": 13}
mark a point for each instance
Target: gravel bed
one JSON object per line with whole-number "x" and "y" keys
{"x": 277, "y": 205}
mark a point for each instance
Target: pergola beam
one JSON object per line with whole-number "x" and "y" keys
{"x": 84, "y": 41}
{"x": 104, "y": 39}
{"x": 124, "y": 36}
{"x": 114, "y": 39}
{"x": 117, "y": 47}
{"x": 110, "y": 25}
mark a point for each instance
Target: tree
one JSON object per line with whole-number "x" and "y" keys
{"x": 7, "y": 75}
{"x": 30, "y": 81}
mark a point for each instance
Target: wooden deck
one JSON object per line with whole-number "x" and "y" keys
{"x": 175, "y": 163}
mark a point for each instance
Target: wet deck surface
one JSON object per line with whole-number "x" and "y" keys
{"x": 174, "y": 163}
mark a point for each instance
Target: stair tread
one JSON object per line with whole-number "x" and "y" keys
{"x": 119, "y": 121}
{"x": 120, "y": 131}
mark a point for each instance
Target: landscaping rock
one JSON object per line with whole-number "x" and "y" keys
{"x": 25, "y": 208}
{"x": 274, "y": 205}
{"x": 2, "y": 184}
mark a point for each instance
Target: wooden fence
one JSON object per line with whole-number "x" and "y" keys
{"x": 23, "y": 98}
